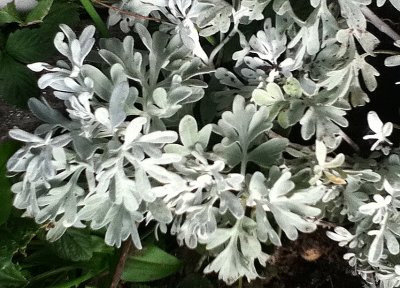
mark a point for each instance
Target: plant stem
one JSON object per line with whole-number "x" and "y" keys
{"x": 132, "y": 14}
{"x": 349, "y": 141}
{"x": 98, "y": 22}
{"x": 125, "y": 249}
{"x": 386, "y": 52}
{"x": 379, "y": 23}
{"x": 240, "y": 282}
{"x": 243, "y": 167}
{"x": 222, "y": 44}
{"x": 200, "y": 263}
{"x": 396, "y": 126}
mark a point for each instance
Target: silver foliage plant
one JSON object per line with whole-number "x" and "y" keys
{"x": 127, "y": 149}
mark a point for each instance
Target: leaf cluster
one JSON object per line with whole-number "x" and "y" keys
{"x": 163, "y": 131}
{"x": 27, "y": 38}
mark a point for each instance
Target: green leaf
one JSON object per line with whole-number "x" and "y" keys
{"x": 98, "y": 22}
{"x": 39, "y": 12}
{"x": 2, "y": 42}
{"x": 35, "y": 45}
{"x": 9, "y": 14}
{"x": 27, "y": 46}
{"x": 61, "y": 12}
{"x": 6, "y": 150}
{"x": 151, "y": 264}
{"x": 292, "y": 114}
{"x": 268, "y": 153}
{"x": 17, "y": 82}
{"x": 11, "y": 276}
{"x": 268, "y": 96}
{"x": 14, "y": 237}
{"x": 292, "y": 87}
{"x": 74, "y": 245}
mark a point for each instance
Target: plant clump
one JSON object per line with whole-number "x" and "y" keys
{"x": 161, "y": 128}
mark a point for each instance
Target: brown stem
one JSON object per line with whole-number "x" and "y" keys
{"x": 135, "y": 15}
{"x": 126, "y": 247}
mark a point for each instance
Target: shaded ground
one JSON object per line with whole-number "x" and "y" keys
{"x": 312, "y": 261}
{"x": 10, "y": 116}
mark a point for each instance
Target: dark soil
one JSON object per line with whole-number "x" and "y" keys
{"x": 11, "y": 116}
{"x": 312, "y": 261}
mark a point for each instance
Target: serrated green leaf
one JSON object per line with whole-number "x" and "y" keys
{"x": 151, "y": 264}
{"x": 35, "y": 45}
{"x": 14, "y": 237}
{"x": 27, "y": 46}
{"x": 6, "y": 150}
{"x": 39, "y": 12}
{"x": 61, "y": 12}
{"x": 9, "y": 14}
{"x": 74, "y": 245}
{"x": 11, "y": 276}
{"x": 268, "y": 153}
{"x": 17, "y": 82}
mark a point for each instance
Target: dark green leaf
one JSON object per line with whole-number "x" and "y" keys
{"x": 39, "y": 12}
{"x": 17, "y": 82}
{"x": 151, "y": 264}
{"x": 61, "y": 12}
{"x": 74, "y": 245}
{"x": 6, "y": 150}
{"x": 269, "y": 152}
{"x": 14, "y": 237}
{"x": 2, "y": 42}
{"x": 195, "y": 281}
{"x": 11, "y": 276}
{"x": 27, "y": 46}
{"x": 9, "y": 14}
{"x": 35, "y": 45}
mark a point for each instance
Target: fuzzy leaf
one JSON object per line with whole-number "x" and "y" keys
{"x": 239, "y": 129}
{"x": 268, "y": 153}
{"x": 322, "y": 120}
{"x": 288, "y": 211}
